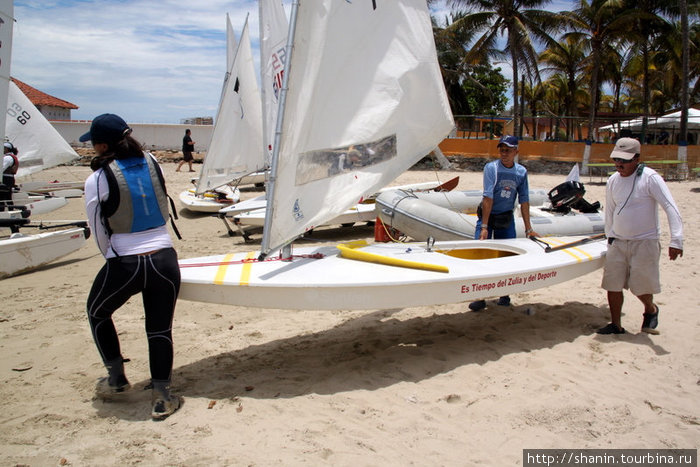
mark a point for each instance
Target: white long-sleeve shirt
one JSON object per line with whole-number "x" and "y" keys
{"x": 119, "y": 244}
{"x": 631, "y": 211}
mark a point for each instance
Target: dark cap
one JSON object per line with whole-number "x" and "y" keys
{"x": 106, "y": 128}
{"x": 508, "y": 140}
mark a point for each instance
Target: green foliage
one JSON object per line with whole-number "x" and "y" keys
{"x": 485, "y": 90}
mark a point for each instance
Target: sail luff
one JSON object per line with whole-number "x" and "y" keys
{"x": 273, "y": 38}
{"x": 265, "y": 246}
{"x": 6, "y": 27}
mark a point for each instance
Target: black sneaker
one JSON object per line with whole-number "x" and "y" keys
{"x": 163, "y": 408}
{"x": 611, "y": 329}
{"x": 106, "y": 389}
{"x": 651, "y": 321}
{"x": 477, "y": 305}
{"x": 503, "y": 301}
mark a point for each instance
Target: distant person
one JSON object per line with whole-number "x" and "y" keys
{"x": 134, "y": 240}
{"x": 10, "y": 165}
{"x": 504, "y": 180}
{"x": 632, "y": 227}
{"x": 187, "y": 150}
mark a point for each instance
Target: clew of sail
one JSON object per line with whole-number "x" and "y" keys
{"x": 273, "y": 38}
{"x": 236, "y": 147}
{"x": 40, "y": 145}
{"x": 365, "y": 101}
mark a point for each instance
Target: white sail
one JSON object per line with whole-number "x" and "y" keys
{"x": 236, "y": 147}
{"x": 365, "y": 101}
{"x": 231, "y": 45}
{"x": 40, "y": 145}
{"x": 6, "y": 26}
{"x": 273, "y": 38}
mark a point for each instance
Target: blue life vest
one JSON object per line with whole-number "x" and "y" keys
{"x": 137, "y": 198}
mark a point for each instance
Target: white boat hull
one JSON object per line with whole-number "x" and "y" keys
{"x": 22, "y": 253}
{"x": 48, "y": 187}
{"x": 208, "y": 202}
{"x": 333, "y": 282}
{"x": 419, "y": 219}
{"x": 357, "y": 213}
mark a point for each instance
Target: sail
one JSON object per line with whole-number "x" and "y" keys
{"x": 236, "y": 147}
{"x": 40, "y": 145}
{"x": 6, "y": 23}
{"x": 365, "y": 101}
{"x": 231, "y": 47}
{"x": 273, "y": 38}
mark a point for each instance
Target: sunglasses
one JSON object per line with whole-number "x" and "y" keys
{"x": 621, "y": 161}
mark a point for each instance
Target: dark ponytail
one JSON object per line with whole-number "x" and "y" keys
{"x": 125, "y": 148}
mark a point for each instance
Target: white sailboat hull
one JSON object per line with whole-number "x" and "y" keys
{"x": 357, "y": 213}
{"x": 22, "y": 253}
{"x": 420, "y": 219}
{"x": 333, "y": 282}
{"x": 49, "y": 187}
{"x": 41, "y": 205}
{"x": 208, "y": 202}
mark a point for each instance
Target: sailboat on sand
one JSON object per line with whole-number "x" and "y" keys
{"x": 365, "y": 74}
{"x": 235, "y": 150}
{"x": 20, "y": 252}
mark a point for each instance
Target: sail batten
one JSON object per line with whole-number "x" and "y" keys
{"x": 365, "y": 102}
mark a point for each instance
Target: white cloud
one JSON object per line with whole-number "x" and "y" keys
{"x": 147, "y": 61}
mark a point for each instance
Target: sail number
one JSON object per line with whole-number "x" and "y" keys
{"x": 15, "y": 111}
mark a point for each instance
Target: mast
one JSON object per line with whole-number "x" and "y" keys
{"x": 263, "y": 93}
{"x": 265, "y": 247}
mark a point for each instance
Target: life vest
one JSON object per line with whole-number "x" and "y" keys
{"x": 137, "y": 198}
{"x": 8, "y": 176}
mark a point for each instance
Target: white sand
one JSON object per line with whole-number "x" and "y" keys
{"x": 417, "y": 386}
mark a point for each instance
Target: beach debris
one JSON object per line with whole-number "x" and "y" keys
{"x": 452, "y": 398}
{"x": 22, "y": 368}
{"x": 63, "y": 461}
{"x": 249, "y": 388}
{"x": 211, "y": 404}
{"x": 239, "y": 409}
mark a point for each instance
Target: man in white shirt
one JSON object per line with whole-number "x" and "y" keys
{"x": 632, "y": 228}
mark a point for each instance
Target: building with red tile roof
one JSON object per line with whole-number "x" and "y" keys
{"x": 50, "y": 107}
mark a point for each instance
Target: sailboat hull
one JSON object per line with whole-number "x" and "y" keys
{"x": 387, "y": 275}
{"x": 22, "y": 253}
{"x": 209, "y": 202}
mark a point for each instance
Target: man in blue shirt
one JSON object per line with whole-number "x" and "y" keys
{"x": 504, "y": 179}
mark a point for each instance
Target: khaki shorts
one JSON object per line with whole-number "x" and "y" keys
{"x": 633, "y": 265}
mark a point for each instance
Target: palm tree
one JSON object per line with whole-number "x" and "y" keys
{"x": 598, "y": 23}
{"x": 565, "y": 58}
{"x": 648, "y": 25}
{"x": 521, "y": 21}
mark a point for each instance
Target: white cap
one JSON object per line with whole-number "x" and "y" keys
{"x": 626, "y": 148}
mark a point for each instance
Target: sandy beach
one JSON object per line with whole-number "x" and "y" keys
{"x": 417, "y": 386}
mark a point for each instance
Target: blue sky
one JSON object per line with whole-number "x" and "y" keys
{"x": 148, "y": 61}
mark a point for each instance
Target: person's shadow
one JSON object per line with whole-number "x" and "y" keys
{"x": 377, "y": 350}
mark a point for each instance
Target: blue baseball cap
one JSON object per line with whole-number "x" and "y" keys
{"x": 508, "y": 140}
{"x": 106, "y": 128}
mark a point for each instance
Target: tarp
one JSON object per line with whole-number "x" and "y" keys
{"x": 670, "y": 121}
